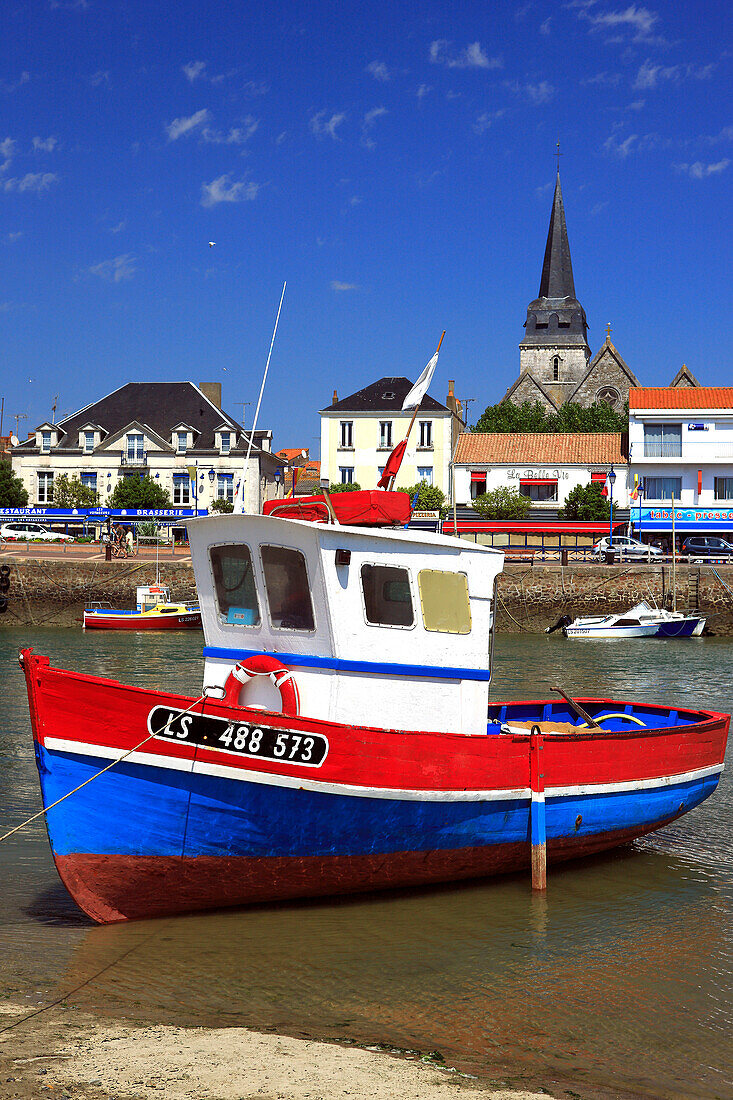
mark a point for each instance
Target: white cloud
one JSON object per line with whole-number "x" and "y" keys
{"x": 598, "y": 209}
{"x": 336, "y": 285}
{"x": 610, "y": 79}
{"x": 44, "y": 145}
{"x": 423, "y": 90}
{"x": 15, "y": 84}
{"x": 538, "y": 93}
{"x": 116, "y": 270}
{"x": 618, "y": 148}
{"x": 7, "y": 151}
{"x": 379, "y": 71}
{"x": 193, "y": 70}
{"x": 472, "y": 57}
{"x": 367, "y": 126}
{"x": 180, "y": 126}
{"x": 321, "y": 126}
{"x": 119, "y": 227}
{"x": 639, "y": 20}
{"x": 651, "y": 75}
{"x": 700, "y": 171}
{"x": 32, "y": 181}
{"x": 637, "y": 105}
{"x": 224, "y": 189}
{"x": 237, "y": 135}
{"x": 13, "y": 237}
{"x": 545, "y": 27}
{"x": 100, "y": 77}
{"x": 486, "y": 120}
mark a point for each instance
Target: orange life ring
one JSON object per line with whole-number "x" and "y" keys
{"x": 260, "y": 665}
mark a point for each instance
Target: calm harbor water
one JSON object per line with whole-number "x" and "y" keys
{"x": 621, "y": 978}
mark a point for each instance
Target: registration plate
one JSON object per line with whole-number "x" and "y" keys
{"x": 240, "y": 738}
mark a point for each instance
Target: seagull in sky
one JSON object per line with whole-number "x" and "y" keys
{"x": 211, "y": 244}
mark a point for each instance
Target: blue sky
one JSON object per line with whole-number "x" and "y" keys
{"x": 394, "y": 163}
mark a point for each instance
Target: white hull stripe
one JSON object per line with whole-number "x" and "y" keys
{"x": 296, "y": 782}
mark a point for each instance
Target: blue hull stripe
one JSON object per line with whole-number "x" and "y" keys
{"x": 379, "y": 668}
{"x": 138, "y": 810}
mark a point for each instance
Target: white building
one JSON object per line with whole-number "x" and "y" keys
{"x": 175, "y": 432}
{"x": 358, "y": 433}
{"x": 681, "y": 445}
{"x": 544, "y": 467}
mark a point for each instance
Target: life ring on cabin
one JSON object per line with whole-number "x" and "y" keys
{"x": 262, "y": 665}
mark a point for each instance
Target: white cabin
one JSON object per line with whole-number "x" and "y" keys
{"x": 381, "y": 627}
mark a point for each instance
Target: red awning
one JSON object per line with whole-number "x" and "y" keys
{"x": 478, "y": 475}
{"x": 598, "y": 475}
{"x": 538, "y": 481}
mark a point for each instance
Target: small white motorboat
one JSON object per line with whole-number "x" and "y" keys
{"x": 642, "y": 621}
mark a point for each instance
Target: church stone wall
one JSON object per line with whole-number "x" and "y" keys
{"x": 605, "y": 375}
{"x": 527, "y": 391}
{"x": 538, "y": 361}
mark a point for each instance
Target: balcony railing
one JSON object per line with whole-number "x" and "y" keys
{"x": 134, "y": 460}
{"x": 663, "y": 450}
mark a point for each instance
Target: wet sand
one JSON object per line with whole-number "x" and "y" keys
{"x": 67, "y": 1054}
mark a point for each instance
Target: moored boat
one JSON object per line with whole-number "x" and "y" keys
{"x": 641, "y": 621}
{"x": 155, "y": 611}
{"x": 343, "y": 739}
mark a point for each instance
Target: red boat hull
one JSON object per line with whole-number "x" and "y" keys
{"x": 191, "y": 620}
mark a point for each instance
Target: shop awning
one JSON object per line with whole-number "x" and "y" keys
{"x": 478, "y": 475}
{"x": 538, "y": 481}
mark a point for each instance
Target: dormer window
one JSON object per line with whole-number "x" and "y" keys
{"x": 226, "y": 442}
{"x": 181, "y": 442}
{"x": 388, "y": 396}
{"x": 88, "y": 442}
{"x": 45, "y": 442}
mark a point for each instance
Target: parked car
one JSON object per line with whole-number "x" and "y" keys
{"x": 23, "y": 530}
{"x": 707, "y": 546}
{"x": 625, "y": 547}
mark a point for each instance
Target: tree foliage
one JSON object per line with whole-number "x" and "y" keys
{"x": 585, "y": 502}
{"x": 344, "y": 487}
{"x": 502, "y": 503}
{"x": 570, "y": 417}
{"x": 139, "y": 492}
{"x": 221, "y": 505}
{"x": 429, "y": 497}
{"x": 68, "y": 492}
{"x": 13, "y": 494}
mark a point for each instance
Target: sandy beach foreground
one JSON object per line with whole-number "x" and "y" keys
{"x": 65, "y": 1054}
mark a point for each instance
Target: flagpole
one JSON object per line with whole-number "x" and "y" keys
{"x": 239, "y": 503}
{"x": 417, "y": 409}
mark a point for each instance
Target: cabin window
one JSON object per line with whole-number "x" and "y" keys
{"x": 288, "y": 591}
{"x": 234, "y": 583}
{"x": 387, "y": 597}
{"x": 444, "y": 601}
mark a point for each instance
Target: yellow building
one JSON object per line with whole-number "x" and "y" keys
{"x": 358, "y": 433}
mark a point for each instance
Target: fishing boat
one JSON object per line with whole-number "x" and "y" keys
{"x": 642, "y": 621}
{"x": 155, "y": 611}
{"x": 343, "y": 739}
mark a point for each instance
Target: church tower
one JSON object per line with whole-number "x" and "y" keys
{"x": 554, "y": 352}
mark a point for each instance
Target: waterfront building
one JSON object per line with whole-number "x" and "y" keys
{"x": 359, "y": 432}
{"x": 176, "y": 432}
{"x": 681, "y": 447}
{"x": 544, "y": 467}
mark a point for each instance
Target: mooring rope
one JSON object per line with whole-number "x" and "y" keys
{"x": 119, "y": 760}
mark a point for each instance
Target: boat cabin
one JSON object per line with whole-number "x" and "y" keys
{"x": 150, "y": 595}
{"x": 380, "y": 626}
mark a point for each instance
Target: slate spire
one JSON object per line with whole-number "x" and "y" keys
{"x": 557, "y": 269}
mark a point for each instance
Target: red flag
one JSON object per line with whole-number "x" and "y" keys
{"x": 393, "y": 464}
{"x": 606, "y": 487}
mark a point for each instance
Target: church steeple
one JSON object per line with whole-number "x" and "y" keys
{"x": 557, "y": 269}
{"x": 555, "y": 349}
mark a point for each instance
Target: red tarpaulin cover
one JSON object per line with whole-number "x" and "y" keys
{"x": 361, "y": 508}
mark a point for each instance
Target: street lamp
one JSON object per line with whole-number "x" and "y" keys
{"x": 611, "y": 482}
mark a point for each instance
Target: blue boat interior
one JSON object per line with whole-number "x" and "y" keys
{"x": 618, "y": 717}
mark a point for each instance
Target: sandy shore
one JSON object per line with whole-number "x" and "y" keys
{"x": 68, "y": 1055}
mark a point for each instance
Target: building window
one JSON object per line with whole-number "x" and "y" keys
{"x": 45, "y": 442}
{"x": 724, "y": 488}
{"x": 45, "y": 487}
{"x": 385, "y": 433}
{"x": 425, "y": 473}
{"x": 182, "y": 442}
{"x": 662, "y": 488}
{"x": 347, "y": 433}
{"x": 88, "y": 442}
{"x": 662, "y": 441}
{"x": 539, "y": 490}
{"x": 225, "y": 487}
{"x": 226, "y": 442}
{"x": 135, "y": 451}
{"x": 478, "y": 483}
{"x": 556, "y": 368}
{"x": 426, "y": 433}
{"x": 181, "y": 489}
{"x": 89, "y": 481}
{"x": 346, "y": 474}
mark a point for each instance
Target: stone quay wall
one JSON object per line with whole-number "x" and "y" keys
{"x": 529, "y": 597}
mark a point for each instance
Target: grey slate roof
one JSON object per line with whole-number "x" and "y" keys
{"x": 385, "y": 396}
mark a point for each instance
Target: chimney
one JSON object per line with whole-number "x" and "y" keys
{"x": 212, "y": 390}
{"x": 335, "y": 397}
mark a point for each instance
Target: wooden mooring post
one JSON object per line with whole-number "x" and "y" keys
{"x": 538, "y": 832}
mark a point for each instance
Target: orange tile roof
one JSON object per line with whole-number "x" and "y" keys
{"x": 682, "y": 397}
{"x": 291, "y": 453}
{"x": 499, "y": 448}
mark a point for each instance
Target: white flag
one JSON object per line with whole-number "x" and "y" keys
{"x": 420, "y": 388}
